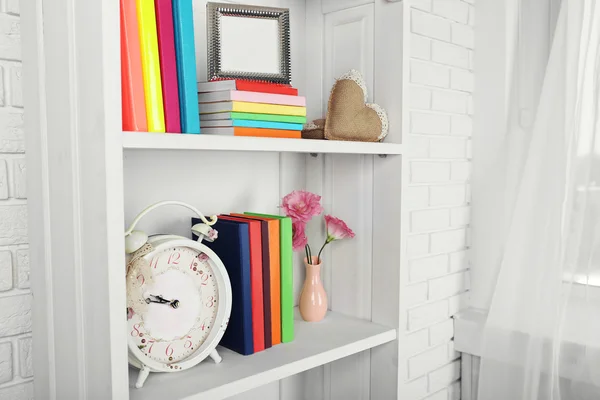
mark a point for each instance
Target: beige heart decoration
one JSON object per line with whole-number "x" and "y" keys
{"x": 314, "y": 130}
{"x": 349, "y": 116}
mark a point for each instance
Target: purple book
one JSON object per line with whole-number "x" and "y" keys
{"x": 168, "y": 64}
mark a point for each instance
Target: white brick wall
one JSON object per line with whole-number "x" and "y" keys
{"x": 440, "y": 106}
{"x": 16, "y": 370}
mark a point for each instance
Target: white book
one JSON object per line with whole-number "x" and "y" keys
{"x": 215, "y": 116}
{"x": 220, "y": 107}
{"x": 216, "y": 123}
{"x": 252, "y": 97}
{"x": 215, "y": 86}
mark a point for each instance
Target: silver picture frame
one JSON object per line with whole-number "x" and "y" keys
{"x": 232, "y": 54}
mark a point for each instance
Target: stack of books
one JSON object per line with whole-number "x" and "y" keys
{"x": 158, "y": 66}
{"x": 256, "y": 250}
{"x": 248, "y": 108}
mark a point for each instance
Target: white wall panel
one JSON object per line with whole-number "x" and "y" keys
{"x": 249, "y": 185}
{"x": 349, "y": 43}
{"x": 329, "y": 6}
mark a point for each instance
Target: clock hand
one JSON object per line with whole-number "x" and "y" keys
{"x": 160, "y": 300}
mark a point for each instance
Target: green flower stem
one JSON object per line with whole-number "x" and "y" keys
{"x": 306, "y": 250}
{"x": 327, "y": 241}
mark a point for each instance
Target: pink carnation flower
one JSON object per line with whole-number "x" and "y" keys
{"x": 301, "y": 205}
{"x": 299, "y": 239}
{"x": 337, "y": 229}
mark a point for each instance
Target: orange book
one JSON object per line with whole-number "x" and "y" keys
{"x": 275, "y": 275}
{"x": 132, "y": 84}
{"x": 258, "y": 132}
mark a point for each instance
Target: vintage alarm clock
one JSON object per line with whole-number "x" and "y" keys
{"x": 178, "y": 297}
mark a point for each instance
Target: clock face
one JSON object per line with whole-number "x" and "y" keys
{"x": 182, "y": 305}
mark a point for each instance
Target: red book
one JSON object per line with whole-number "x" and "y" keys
{"x": 168, "y": 64}
{"x": 245, "y": 85}
{"x": 256, "y": 279}
{"x": 132, "y": 84}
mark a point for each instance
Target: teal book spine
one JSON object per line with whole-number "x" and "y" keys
{"x": 267, "y": 125}
{"x": 185, "y": 50}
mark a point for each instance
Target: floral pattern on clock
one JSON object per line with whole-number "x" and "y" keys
{"x": 182, "y": 305}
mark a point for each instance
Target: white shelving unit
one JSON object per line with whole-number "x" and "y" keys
{"x": 88, "y": 179}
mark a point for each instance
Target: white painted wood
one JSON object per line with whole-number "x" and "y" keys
{"x": 466, "y": 389}
{"x": 143, "y": 140}
{"x": 315, "y": 344}
{"x": 327, "y": 274}
{"x": 270, "y": 391}
{"x": 388, "y": 275}
{"x": 349, "y": 43}
{"x": 237, "y": 182}
{"x": 475, "y": 368}
{"x": 317, "y": 106}
{"x": 347, "y": 190}
{"x": 329, "y": 6}
{"x": 468, "y": 330}
{"x": 76, "y": 207}
{"x": 349, "y": 264}
{"x": 293, "y": 176}
{"x": 390, "y": 215}
{"x": 469, "y": 370}
{"x": 292, "y": 168}
{"x": 317, "y": 380}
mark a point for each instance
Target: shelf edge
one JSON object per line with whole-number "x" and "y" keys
{"x": 254, "y": 381}
{"x": 162, "y": 141}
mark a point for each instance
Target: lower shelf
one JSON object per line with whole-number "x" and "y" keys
{"x": 337, "y": 336}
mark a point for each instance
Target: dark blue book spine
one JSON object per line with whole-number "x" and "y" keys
{"x": 233, "y": 248}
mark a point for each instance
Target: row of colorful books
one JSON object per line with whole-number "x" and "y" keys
{"x": 158, "y": 66}
{"x": 256, "y": 250}
{"x": 247, "y": 108}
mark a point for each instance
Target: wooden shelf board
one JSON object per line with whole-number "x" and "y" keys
{"x": 145, "y": 140}
{"x": 335, "y": 337}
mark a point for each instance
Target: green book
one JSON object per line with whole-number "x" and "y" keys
{"x": 287, "y": 275}
{"x": 269, "y": 117}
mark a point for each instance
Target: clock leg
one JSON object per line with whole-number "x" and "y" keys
{"x": 215, "y": 356}
{"x": 142, "y": 377}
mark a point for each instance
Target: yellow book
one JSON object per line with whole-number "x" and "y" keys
{"x": 151, "y": 65}
{"x": 257, "y": 108}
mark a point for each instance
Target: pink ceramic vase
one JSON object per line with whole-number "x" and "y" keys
{"x": 313, "y": 299}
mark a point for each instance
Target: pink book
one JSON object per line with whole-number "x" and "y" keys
{"x": 252, "y": 97}
{"x": 168, "y": 64}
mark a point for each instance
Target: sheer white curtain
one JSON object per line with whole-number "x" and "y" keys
{"x": 542, "y": 337}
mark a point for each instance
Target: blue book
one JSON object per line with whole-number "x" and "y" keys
{"x": 266, "y": 124}
{"x": 185, "y": 50}
{"x": 233, "y": 248}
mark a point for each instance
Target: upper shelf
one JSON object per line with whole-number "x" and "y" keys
{"x": 144, "y": 140}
